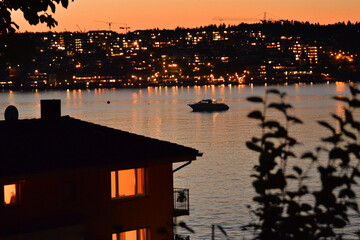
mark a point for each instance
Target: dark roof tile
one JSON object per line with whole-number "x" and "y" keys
{"x": 36, "y": 145}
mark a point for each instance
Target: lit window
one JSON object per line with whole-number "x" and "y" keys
{"x": 127, "y": 183}
{"x": 139, "y": 234}
{"x": 11, "y": 194}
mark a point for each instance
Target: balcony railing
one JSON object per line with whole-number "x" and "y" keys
{"x": 181, "y": 237}
{"x": 181, "y": 202}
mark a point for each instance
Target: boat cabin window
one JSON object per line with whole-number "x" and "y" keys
{"x": 208, "y": 101}
{"x": 125, "y": 183}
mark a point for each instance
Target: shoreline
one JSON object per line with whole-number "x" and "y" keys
{"x": 142, "y": 86}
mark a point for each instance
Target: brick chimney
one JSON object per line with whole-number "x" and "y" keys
{"x": 50, "y": 109}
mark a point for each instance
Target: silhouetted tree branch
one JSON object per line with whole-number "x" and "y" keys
{"x": 35, "y": 11}
{"x": 285, "y": 206}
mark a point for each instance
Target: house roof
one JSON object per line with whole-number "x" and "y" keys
{"x": 38, "y": 145}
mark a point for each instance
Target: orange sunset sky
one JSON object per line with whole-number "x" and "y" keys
{"x": 147, "y": 14}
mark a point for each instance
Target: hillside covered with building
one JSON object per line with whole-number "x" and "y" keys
{"x": 267, "y": 52}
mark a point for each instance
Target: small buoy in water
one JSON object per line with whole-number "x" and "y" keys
{"x": 108, "y": 102}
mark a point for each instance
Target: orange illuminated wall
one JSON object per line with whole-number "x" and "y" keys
{"x": 82, "y": 201}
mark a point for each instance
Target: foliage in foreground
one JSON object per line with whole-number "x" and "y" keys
{"x": 35, "y": 11}
{"x": 286, "y": 207}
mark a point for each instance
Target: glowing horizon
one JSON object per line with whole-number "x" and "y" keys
{"x": 169, "y": 14}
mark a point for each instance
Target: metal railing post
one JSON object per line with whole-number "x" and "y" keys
{"x": 213, "y": 232}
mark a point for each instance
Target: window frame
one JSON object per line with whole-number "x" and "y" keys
{"x": 117, "y": 195}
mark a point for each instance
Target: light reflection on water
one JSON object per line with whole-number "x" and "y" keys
{"x": 219, "y": 182}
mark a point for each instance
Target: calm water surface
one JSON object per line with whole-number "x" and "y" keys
{"x": 219, "y": 182}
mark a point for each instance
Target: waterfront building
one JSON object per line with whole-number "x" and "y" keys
{"x": 64, "y": 178}
{"x": 304, "y": 52}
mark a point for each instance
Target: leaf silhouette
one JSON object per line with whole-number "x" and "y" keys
{"x": 255, "y": 99}
{"x": 65, "y": 3}
{"x": 297, "y": 170}
{"x": 222, "y": 230}
{"x": 273, "y": 91}
{"x": 255, "y": 115}
{"x": 183, "y": 225}
{"x": 327, "y": 125}
{"x": 253, "y": 146}
{"x": 342, "y": 98}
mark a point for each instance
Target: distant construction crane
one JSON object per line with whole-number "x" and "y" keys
{"x": 252, "y": 19}
{"x": 109, "y": 23}
{"x": 82, "y": 31}
{"x": 126, "y": 28}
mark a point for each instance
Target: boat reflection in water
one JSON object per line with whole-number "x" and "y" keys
{"x": 208, "y": 105}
